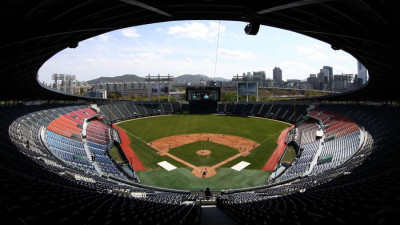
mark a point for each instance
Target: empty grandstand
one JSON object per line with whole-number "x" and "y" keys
{"x": 55, "y": 168}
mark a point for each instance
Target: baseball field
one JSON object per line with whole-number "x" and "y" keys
{"x": 192, "y": 152}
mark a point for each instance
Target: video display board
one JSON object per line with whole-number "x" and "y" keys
{"x": 203, "y": 93}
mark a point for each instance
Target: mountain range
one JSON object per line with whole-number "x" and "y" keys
{"x": 186, "y": 78}
{"x": 190, "y": 78}
{"x": 122, "y": 78}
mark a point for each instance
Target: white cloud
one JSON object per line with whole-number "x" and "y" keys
{"x": 319, "y": 46}
{"x": 164, "y": 51}
{"x": 100, "y": 61}
{"x": 341, "y": 69}
{"x": 188, "y": 60}
{"x": 318, "y": 56}
{"x": 234, "y": 35}
{"x": 147, "y": 54}
{"x": 189, "y": 47}
{"x": 340, "y": 56}
{"x": 138, "y": 61}
{"x": 196, "y": 30}
{"x": 105, "y": 37}
{"x": 277, "y": 37}
{"x": 304, "y": 50}
{"x": 296, "y": 70}
{"x": 316, "y": 52}
{"x": 104, "y": 60}
{"x": 130, "y": 32}
{"x": 233, "y": 54}
{"x": 90, "y": 39}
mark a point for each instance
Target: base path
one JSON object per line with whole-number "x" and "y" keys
{"x": 273, "y": 160}
{"x": 129, "y": 153}
{"x": 163, "y": 145}
{"x": 243, "y": 145}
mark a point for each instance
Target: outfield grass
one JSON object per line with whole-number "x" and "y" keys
{"x": 218, "y": 153}
{"x": 143, "y": 131}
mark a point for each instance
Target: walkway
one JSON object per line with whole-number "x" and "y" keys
{"x": 211, "y": 215}
{"x": 316, "y": 156}
{"x": 129, "y": 153}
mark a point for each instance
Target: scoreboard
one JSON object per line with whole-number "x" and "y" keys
{"x": 203, "y": 94}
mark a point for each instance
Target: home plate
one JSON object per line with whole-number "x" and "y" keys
{"x": 166, "y": 165}
{"x": 240, "y": 165}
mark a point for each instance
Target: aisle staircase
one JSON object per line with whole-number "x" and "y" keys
{"x": 211, "y": 215}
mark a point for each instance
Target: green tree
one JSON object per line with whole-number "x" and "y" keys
{"x": 114, "y": 95}
{"x": 228, "y": 96}
{"x": 312, "y": 93}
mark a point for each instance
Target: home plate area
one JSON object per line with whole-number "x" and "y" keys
{"x": 240, "y": 166}
{"x": 166, "y": 165}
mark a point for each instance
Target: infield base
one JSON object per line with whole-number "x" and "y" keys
{"x": 198, "y": 172}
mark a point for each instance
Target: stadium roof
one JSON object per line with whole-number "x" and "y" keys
{"x": 34, "y": 31}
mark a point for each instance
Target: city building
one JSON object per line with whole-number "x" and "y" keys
{"x": 330, "y": 76}
{"x": 362, "y": 72}
{"x": 357, "y": 82}
{"x": 124, "y": 88}
{"x": 268, "y": 83}
{"x": 277, "y": 76}
{"x": 259, "y": 77}
{"x": 68, "y": 84}
{"x": 342, "y": 82}
{"x": 323, "y": 79}
{"x": 293, "y": 83}
{"x": 313, "y": 82}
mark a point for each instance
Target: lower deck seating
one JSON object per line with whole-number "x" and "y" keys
{"x": 361, "y": 190}
{"x": 38, "y": 188}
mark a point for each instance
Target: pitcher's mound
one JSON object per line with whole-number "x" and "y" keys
{"x": 203, "y": 152}
{"x": 198, "y": 172}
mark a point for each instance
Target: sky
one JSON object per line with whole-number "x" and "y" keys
{"x": 190, "y": 47}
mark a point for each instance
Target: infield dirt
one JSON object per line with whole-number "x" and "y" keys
{"x": 243, "y": 145}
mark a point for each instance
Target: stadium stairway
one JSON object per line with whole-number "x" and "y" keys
{"x": 211, "y": 215}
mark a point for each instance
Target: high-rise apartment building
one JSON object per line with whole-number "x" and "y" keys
{"x": 330, "y": 76}
{"x": 313, "y": 81}
{"x": 323, "y": 77}
{"x": 277, "y": 75}
{"x": 362, "y": 72}
{"x": 68, "y": 84}
{"x": 259, "y": 77}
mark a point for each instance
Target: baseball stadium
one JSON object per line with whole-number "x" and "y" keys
{"x": 189, "y": 143}
{"x": 68, "y": 159}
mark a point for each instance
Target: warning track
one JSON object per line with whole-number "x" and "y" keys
{"x": 129, "y": 153}
{"x": 273, "y": 160}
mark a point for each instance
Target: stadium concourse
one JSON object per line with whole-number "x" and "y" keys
{"x": 54, "y": 162}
